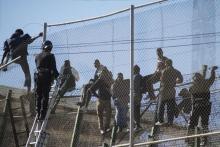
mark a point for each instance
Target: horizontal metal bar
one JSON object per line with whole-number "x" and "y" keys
{"x": 89, "y": 19}
{"x": 152, "y": 3}
{"x": 170, "y": 139}
{"x": 12, "y": 61}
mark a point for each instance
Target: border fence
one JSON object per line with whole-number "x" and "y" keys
{"x": 188, "y": 33}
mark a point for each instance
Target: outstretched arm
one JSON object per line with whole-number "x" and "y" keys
{"x": 34, "y": 38}
{"x": 211, "y": 80}
{"x": 179, "y": 77}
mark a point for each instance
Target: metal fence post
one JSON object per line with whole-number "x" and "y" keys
{"x": 131, "y": 135}
{"x": 45, "y": 32}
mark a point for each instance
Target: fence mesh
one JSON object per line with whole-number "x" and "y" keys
{"x": 187, "y": 31}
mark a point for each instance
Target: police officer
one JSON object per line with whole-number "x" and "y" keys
{"x": 46, "y": 72}
{"x": 201, "y": 100}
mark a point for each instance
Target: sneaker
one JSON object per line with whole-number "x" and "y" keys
{"x": 119, "y": 130}
{"x": 5, "y": 69}
{"x": 102, "y": 132}
{"x": 108, "y": 130}
{"x": 158, "y": 123}
{"x": 137, "y": 128}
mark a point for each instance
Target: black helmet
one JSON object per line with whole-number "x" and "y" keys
{"x": 19, "y": 31}
{"x": 47, "y": 45}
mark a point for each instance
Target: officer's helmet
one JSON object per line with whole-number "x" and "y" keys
{"x": 47, "y": 45}
{"x": 19, "y": 31}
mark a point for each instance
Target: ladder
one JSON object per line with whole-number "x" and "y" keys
{"x": 8, "y": 63}
{"x": 38, "y": 135}
{"x": 9, "y": 110}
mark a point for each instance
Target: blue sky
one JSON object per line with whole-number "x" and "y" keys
{"x": 31, "y": 14}
{"x": 170, "y": 19}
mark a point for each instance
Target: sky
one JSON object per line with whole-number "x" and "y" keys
{"x": 31, "y": 14}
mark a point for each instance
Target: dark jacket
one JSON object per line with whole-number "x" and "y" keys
{"x": 200, "y": 90}
{"x": 168, "y": 82}
{"x": 67, "y": 76}
{"x": 137, "y": 86}
{"x": 103, "y": 89}
{"x": 45, "y": 62}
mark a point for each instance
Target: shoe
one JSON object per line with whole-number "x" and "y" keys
{"x": 4, "y": 69}
{"x": 102, "y": 132}
{"x": 108, "y": 130}
{"x": 137, "y": 129}
{"x": 159, "y": 123}
{"x": 169, "y": 124}
{"x": 119, "y": 130}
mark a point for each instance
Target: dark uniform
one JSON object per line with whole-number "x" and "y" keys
{"x": 201, "y": 100}
{"x": 46, "y": 72}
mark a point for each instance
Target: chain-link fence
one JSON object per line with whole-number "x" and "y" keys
{"x": 186, "y": 31}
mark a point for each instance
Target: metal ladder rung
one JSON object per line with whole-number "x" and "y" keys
{"x": 21, "y": 132}
{"x": 17, "y": 116}
{"x": 33, "y": 143}
{"x": 16, "y": 108}
{"x": 37, "y": 131}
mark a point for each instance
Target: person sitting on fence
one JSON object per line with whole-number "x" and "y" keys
{"x": 67, "y": 81}
{"x": 200, "y": 91}
{"x": 85, "y": 94}
{"x": 151, "y": 79}
{"x": 18, "y": 47}
{"x": 46, "y": 72}
{"x": 186, "y": 104}
{"x": 137, "y": 97}
{"x": 8, "y": 45}
{"x": 103, "y": 85}
{"x": 169, "y": 78}
{"x": 120, "y": 95}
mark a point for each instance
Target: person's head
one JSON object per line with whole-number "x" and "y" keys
{"x": 136, "y": 69}
{"x": 120, "y": 76}
{"x": 97, "y": 63}
{"x": 168, "y": 62}
{"x": 19, "y": 32}
{"x": 197, "y": 77}
{"x": 67, "y": 63}
{"x": 184, "y": 92}
{"x": 91, "y": 81}
{"x": 159, "y": 52}
{"x": 47, "y": 46}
